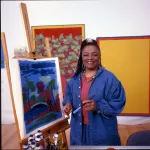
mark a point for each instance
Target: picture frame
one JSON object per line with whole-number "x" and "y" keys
{"x": 128, "y": 58}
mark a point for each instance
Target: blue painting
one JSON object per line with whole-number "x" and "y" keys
{"x": 40, "y": 92}
{"x": 2, "y": 57}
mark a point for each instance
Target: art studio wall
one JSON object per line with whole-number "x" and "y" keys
{"x": 103, "y": 18}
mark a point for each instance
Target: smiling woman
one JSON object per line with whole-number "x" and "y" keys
{"x": 90, "y": 57}
{"x": 99, "y": 94}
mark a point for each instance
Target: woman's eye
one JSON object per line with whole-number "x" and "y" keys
{"x": 95, "y": 55}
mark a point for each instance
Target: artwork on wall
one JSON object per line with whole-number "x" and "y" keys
{"x": 64, "y": 43}
{"x": 129, "y": 59}
{"x": 41, "y": 92}
{"x": 2, "y": 57}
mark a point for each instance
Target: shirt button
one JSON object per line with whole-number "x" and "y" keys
{"x": 80, "y": 123}
{"x": 79, "y": 96}
{"x": 79, "y": 87}
{"x": 79, "y": 115}
{"x": 79, "y": 104}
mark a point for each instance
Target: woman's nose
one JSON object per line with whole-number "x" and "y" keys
{"x": 90, "y": 57}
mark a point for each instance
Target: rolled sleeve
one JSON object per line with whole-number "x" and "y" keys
{"x": 114, "y": 103}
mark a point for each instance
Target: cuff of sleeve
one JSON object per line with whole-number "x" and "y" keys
{"x": 99, "y": 109}
{"x": 65, "y": 102}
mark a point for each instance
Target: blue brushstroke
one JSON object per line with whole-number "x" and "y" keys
{"x": 37, "y": 110}
{"x": 43, "y": 72}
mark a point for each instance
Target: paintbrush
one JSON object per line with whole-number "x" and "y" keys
{"x": 76, "y": 110}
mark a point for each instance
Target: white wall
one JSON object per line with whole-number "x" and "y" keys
{"x": 102, "y": 18}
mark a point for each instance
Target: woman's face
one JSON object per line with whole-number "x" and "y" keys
{"x": 91, "y": 57}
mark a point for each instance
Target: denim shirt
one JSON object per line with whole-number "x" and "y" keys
{"x": 109, "y": 95}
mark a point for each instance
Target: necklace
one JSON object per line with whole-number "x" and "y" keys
{"x": 90, "y": 79}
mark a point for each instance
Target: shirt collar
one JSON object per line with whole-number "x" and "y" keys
{"x": 100, "y": 70}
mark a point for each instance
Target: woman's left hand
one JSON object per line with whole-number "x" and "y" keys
{"x": 89, "y": 105}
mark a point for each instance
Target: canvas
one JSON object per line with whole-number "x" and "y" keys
{"x": 40, "y": 92}
{"x": 64, "y": 42}
{"x": 2, "y": 57}
{"x": 129, "y": 59}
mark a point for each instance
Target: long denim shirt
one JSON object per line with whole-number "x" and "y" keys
{"x": 108, "y": 93}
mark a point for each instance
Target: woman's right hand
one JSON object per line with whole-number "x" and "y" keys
{"x": 67, "y": 109}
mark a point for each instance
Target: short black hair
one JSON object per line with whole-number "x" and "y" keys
{"x": 84, "y": 43}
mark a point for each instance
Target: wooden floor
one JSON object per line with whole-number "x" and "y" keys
{"x": 10, "y": 140}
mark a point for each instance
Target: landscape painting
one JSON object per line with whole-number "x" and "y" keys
{"x": 40, "y": 92}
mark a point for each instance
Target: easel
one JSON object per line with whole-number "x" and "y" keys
{"x": 62, "y": 124}
{"x": 6, "y": 58}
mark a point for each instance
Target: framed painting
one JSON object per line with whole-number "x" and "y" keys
{"x": 129, "y": 59}
{"x": 64, "y": 43}
{"x": 2, "y": 57}
{"x": 41, "y": 93}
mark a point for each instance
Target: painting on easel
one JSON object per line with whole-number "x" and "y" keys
{"x": 2, "y": 57}
{"x": 41, "y": 92}
{"x": 64, "y": 43}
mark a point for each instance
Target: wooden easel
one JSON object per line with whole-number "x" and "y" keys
{"x": 62, "y": 124}
{"x": 6, "y": 58}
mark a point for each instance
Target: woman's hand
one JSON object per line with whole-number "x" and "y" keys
{"x": 89, "y": 105}
{"x": 67, "y": 109}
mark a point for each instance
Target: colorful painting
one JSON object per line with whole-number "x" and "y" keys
{"x": 64, "y": 42}
{"x": 2, "y": 57}
{"x": 40, "y": 92}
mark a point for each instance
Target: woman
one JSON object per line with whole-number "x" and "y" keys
{"x": 100, "y": 96}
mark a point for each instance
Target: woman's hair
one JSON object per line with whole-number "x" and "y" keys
{"x": 84, "y": 43}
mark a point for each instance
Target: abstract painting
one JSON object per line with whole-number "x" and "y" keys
{"x": 40, "y": 92}
{"x": 64, "y": 43}
{"x": 2, "y": 57}
{"x": 129, "y": 59}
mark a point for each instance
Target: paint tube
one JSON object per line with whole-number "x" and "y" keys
{"x": 37, "y": 147}
{"x": 55, "y": 137}
{"x": 39, "y": 139}
{"x": 33, "y": 144}
{"x": 31, "y": 139}
{"x": 25, "y": 146}
{"x": 39, "y": 133}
